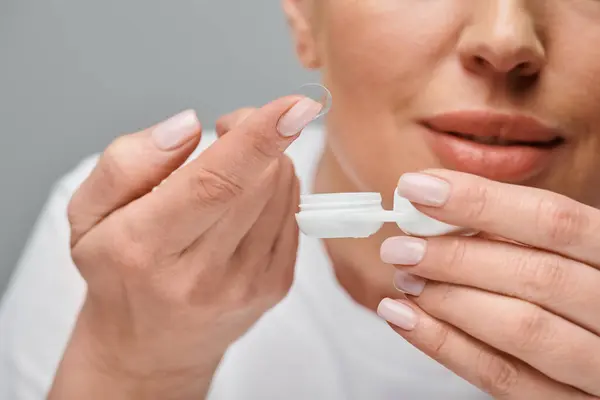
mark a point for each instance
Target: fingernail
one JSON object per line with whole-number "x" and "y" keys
{"x": 398, "y": 314}
{"x": 403, "y": 250}
{"x": 298, "y": 117}
{"x": 408, "y": 283}
{"x": 176, "y": 131}
{"x": 424, "y": 189}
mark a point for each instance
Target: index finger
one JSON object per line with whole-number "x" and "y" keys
{"x": 531, "y": 216}
{"x": 201, "y": 192}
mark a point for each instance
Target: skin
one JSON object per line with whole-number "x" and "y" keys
{"x": 388, "y": 63}
{"x": 218, "y": 252}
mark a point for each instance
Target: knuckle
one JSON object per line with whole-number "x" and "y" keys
{"x": 457, "y": 250}
{"x": 115, "y": 151}
{"x": 243, "y": 297}
{"x": 275, "y": 295}
{"x": 287, "y": 167}
{"x": 296, "y": 190}
{"x": 270, "y": 286}
{"x": 497, "y": 376}
{"x": 542, "y": 278}
{"x": 475, "y": 201}
{"x": 130, "y": 257}
{"x": 446, "y": 292}
{"x": 128, "y": 250}
{"x": 72, "y": 211}
{"x": 264, "y": 145}
{"x": 284, "y": 283}
{"x": 439, "y": 297}
{"x": 211, "y": 188}
{"x": 79, "y": 257}
{"x": 438, "y": 343}
{"x": 560, "y": 221}
{"x": 287, "y": 174}
{"x": 286, "y": 161}
{"x": 111, "y": 166}
{"x": 531, "y": 330}
{"x": 78, "y": 221}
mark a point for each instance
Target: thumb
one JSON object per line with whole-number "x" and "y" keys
{"x": 131, "y": 167}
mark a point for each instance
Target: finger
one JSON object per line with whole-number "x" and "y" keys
{"x": 493, "y": 372}
{"x": 130, "y": 167}
{"x": 202, "y": 191}
{"x": 563, "y": 286}
{"x": 267, "y": 279}
{"x": 218, "y": 268}
{"x": 280, "y": 271}
{"x": 532, "y": 216}
{"x": 232, "y": 120}
{"x": 557, "y": 348}
{"x": 246, "y": 231}
{"x": 260, "y": 239}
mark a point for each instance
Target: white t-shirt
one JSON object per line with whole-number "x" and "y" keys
{"x": 316, "y": 344}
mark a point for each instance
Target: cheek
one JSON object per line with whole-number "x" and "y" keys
{"x": 386, "y": 49}
{"x": 571, "y": 92}
{"x": 571, "y": 95}
{"x": 378, "y": 57}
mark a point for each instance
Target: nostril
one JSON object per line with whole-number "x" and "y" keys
{"x": 526, "y": 69}
{"x": 480, "y": 61}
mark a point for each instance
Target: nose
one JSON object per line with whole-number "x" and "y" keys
{"x": 502, "y": 39}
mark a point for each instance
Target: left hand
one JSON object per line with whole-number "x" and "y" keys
{"x": 516, "y": 311}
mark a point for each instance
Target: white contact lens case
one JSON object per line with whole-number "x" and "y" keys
{"x": 360, "y": 215}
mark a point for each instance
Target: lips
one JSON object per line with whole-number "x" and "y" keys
{"x": 510, "y": 148}
{"x": 502, "y": 141}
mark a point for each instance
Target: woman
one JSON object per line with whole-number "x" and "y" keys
{"x": 497, "y": 99}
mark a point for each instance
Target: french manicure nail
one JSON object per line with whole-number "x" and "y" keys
{"x": 408, "y": 283}
{"x": 403, "y": 250}
{"x": 177, "y": 130}
{"x": 424, "y": 189}
{"x": 398, "y": 314}
{"x": 298, "y": 117}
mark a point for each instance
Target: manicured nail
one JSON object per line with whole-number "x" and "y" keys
{"x": 403, "y": 250}
{"x": 298, "y": 117}
{"x": 409, "y": 284}
{"x": 424, "y": 189}
{"x": 176, "y": 131}
{"x": 398, "y": 313}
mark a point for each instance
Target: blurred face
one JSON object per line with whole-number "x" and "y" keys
{"x": 506, "y": 89}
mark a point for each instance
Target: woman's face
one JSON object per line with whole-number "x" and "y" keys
{"x": 507, "y": 89}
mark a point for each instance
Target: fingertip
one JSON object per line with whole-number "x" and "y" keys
{"x": 398, "y": 313}
{"x": 302, "y": 113}
{"x": 403, "y": 250}
{"x": 424, "y": 189}
{"x": 311, "y": 103}
{"x": 176, "y": 131}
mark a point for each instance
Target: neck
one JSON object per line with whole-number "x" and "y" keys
{"x": 356, "y": 262}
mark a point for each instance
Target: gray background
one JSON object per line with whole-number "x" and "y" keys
{"x": 76, "y": 73}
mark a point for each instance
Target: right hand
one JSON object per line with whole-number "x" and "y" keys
{"x": 178, "y": 272}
